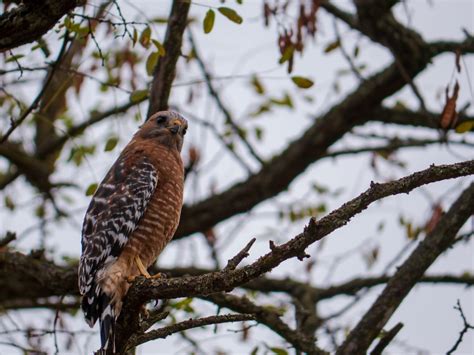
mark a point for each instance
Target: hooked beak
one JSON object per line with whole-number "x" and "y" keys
{"x": 175, "y": 127}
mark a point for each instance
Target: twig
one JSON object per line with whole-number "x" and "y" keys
{"x": 346, "y": 55}
{"x": 466, "y": 327}
{"x": 386, "y": 339}
{"x": 188, "y": 324}
{"x": 56, "y": 318}
{"x": 220, "y": 104}
{"x": 124, "y": 22}
{"x": 91, "y": 32}
{"x": 219, "y": 137}
{"x": 36, "y": 101}
{"x": 268, "y": 317}
{"x": 20, "y": 68}
{"x": 235, "y": 261}
{"x": 9, "y": 237}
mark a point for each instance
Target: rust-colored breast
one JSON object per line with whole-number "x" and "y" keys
{"x": 161, "y": 218}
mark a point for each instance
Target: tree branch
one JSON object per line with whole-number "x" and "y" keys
{"x": 188, "y": 324}
{"x": 165, "y": 70}
{"x": 144, "y": 290}
{"x": 36, "y": 101}
{"x": 466, "y": 327}
{"x": 408, "y": 274}
{"x": 268, "y": 317}
{"x": 31, "y": 20}
{"x": 278, "y": 174}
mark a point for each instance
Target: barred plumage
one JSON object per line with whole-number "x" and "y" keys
{"x": 132, "y": 216}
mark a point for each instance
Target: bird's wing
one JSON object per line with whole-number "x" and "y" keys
{"x": 113, "y": 214}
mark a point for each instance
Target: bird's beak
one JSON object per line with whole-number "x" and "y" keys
{"x": 176, "y": 125}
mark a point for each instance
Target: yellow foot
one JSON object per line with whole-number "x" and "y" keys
{"x": 143, "y": 270}
{"x": 158, "y": 275}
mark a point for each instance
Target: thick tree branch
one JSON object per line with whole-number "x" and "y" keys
{"x": 165, "y": 70}
{"x": 144, "y": 290}
{"x": 31, "y": 20}
{"x": 407, "y": 117}
{"x": 278, "y": 174}
{"x": 408, "y": 274}
{"x": 355, "y": 285}
{"x": 44, "y": 279}
{"x": 31, "y": 276}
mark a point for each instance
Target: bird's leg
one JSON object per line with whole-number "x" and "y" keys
{"x": 141, "y": 267}
{"x": 144, "y": 271}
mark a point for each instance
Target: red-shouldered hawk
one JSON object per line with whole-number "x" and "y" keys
{"x": 131, "y": 217}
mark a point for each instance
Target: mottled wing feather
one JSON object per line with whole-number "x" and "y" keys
{"x": 113, "y": 214}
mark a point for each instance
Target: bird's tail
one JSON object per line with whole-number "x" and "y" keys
{"x": 107, "y": 328}
{"x": 97, "y": 305}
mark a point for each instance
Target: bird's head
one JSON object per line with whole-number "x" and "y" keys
{"x": 165, "y": 127}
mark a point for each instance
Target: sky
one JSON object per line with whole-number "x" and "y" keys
{"x": 430, "y": 322}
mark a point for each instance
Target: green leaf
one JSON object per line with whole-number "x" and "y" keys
{"x": 40, "y": 211}
{"x": 302, "y": 82}
{"x": 135, "y": 37}
{"x": 287, "y": 54}
{"x": 332, "y": 46}
{"x": 110, "y": 144}
{"x": 184, "y": 305}
{"x": 230, "y": 14}
{"x": 151, "y": 62}
{"x": 91, "y": 189}
{"x": 208, "y": 22}
{"x": 9, "y": 203}
{"x": 159, "y": 46}
{"x": 138, "y": 95}
{"x": 258, "y": 133}
{"x": 257, "y": 85}
{"x": 278, "y": 351}
{"x": 145, "y": 37}
{"x": 356, "y": 51}
{"x": 284, "y": 101}
{"x": 14, "y": 58}
{"x": 465, "y": 127}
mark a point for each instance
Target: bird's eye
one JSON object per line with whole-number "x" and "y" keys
{"x": 184, "y": 131}
{"x": 161, "y": 119}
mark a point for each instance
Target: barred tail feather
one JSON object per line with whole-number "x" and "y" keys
{"x": 107, "y": 328}
{"x": 97, "y": 306}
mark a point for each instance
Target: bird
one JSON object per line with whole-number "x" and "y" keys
{"x": 131, "y": 217}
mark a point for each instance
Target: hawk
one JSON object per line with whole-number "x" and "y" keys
{"x": 132, "y": 216}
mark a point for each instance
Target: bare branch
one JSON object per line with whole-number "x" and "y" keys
{"x": 36, "y": 101}
{"x": 466, "y": 327}
{"x": 188, "y": 324}
{"x": 235, "y": 261}
{"x": 215, "y": 95}
{"x": 386, "y": 339}
{"x": 409, "y": 273}
{"x": 269, "y": 318}
{"x": 9, "y": 237}
{"x": 144, "y": 290}
{"x": 166, "y": 68}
